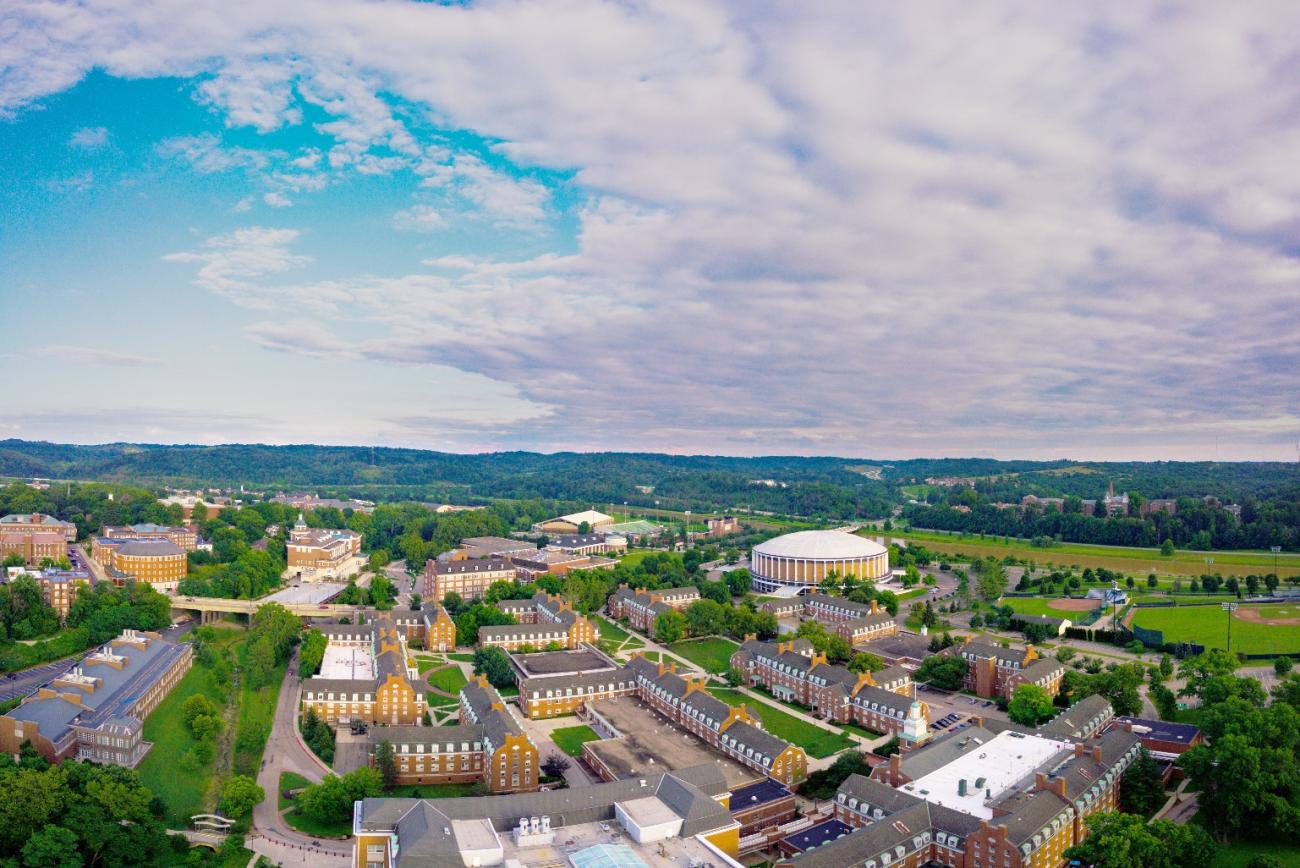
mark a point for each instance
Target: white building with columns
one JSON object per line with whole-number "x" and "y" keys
{"x": 799, "y": 562}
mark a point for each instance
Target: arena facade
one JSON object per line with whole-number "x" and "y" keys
{"x": 799, "y": 562}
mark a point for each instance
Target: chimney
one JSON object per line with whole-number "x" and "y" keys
{"x": 751, "y": 637}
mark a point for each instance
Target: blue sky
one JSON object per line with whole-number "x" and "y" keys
{"x": 683, "y": 227}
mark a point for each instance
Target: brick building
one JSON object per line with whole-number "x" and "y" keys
{"x": 731, "y": 730}
{"x": 546, "y": 621}
{"x": 95, "y": 711}
{"x": 37, "y": 522}
{"x": 589, "y": 544}
{"x": 315, "y": 553}
{"x": 992, "y": 670}
{"x": 641, "y": 608}
{"x": 762, "y": 805}
{"x": 552, "y": 697}
{"x": 186, "y": 538}
{"x": 33, "y": 547}
{"x": 153, "y": 560}
{"x": 511, "y": 759}
{"x": 857, "y": 622}
{"x": 366, "y": 676}
{"x": 468, "y": 578}
{"x": 792, "y": 671}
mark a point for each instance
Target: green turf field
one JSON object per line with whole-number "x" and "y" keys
{"x": 1208, "y": 625}
{"x": 712, "y": 654}
{"x": 608, "y": 629}
{"x": 570, "y": 739}
{"x": 815, "y": 741}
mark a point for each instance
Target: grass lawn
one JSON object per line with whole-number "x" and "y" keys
{"x": 570, "y": 739}
{"x": 424, "y": 664}
{"x": 462, "y": 658}
{"x": 913, "y": 592}
{"x": 817, "y": 742}
{"x": 1208, "y": 625}
{"x": 182, "y": 792}
{"x": 858, "y": 730}
{"x": 608, "y": 629}
{"x": 512, "y": 690}
{"x": 450, "y": 679}
{"x": 712, "y": 654}
{"x": 1238, "y": 854}
{"x": 1135, "y": 561}
{"x": 289, "y": 781}
{"x": 309, "y": 826}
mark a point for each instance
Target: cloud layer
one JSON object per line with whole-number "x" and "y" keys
{"x": 858, "y": 228}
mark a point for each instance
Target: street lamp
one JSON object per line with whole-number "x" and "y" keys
{"x": 1229, "y": 608}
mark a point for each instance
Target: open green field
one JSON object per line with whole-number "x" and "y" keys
{"x": 608, "y": 629}
{"x": 1137, "y": 561}
{"x": 449, "y": 679}
{"x": 712, "y": 654}
{"x": 315, "y": 828}
{"x": 182, "y": 792}
{"x": 570, "y": 739}
{"x": 461, "y": 658}
{"x": 1239, "y": 854}
{"x": 1039, "y": 606}
{"x": 817, "y": 742}
{"x": 1208, "y": 625}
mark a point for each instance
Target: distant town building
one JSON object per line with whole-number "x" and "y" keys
{"x": 96, "y": 710}
{"x": 856, "y": 622}
{"x": 212, "y": 504}
{"x": 491, "y": 547}
{"x": 1115, "y": 504}
{"x": 1167, "y": 505}
{"x": 153, "y": 560}
{"x": 723, "y": 525}
{"x": 544, "y": 562}
{"x": 316, "y": 554}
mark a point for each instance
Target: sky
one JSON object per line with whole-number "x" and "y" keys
{"x": 871, "y": 229}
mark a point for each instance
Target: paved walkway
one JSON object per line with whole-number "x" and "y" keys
{"x": 271, "y": 836}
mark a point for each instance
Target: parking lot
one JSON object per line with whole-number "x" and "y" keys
{"x": 949, "y": 710}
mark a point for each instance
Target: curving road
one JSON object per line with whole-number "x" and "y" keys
{"x": 285, "y": 752}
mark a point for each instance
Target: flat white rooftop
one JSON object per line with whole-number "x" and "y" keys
{"x": 999, "y": 763}
{"x": 648, "y": 811}
{"x": 351, "y": 664}
{"x": 316, "y": 592}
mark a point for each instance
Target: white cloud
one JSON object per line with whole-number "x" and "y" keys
{"x": 231, "y": 264}
{"x": 207, "y": 154}
{"x": 89, "y": 138}
{"x": 825, "y": 227}
{"x": 418, "y": 218}
{"x": 92, "y": 356}
{"x": 277, "y": 200}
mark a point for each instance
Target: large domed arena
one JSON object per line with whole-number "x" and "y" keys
{"x": 801, "y": 561}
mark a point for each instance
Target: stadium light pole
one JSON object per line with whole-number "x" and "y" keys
{"x": 1229, "y": 608}
{"x": 1275, "y": 550}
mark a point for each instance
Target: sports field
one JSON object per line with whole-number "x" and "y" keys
{"x": 1266, "y": 629}
{"x": 1058, "y": 607}
{"x": 1135, "y": 561}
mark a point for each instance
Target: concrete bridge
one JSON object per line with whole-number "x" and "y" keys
{"x": 212, "y": 608}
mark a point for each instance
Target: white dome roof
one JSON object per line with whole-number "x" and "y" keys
{"x": 820, "y": 545}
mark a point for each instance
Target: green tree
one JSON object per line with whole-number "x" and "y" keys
{"x": 386, "y": 762}
{"x": 704, "y": 618}
{"x": 945, "y": 672}
{"x": 670, "y": 627}
{"x": 1142, "y": 791}
{"x": 493, "y": 663}
{"x": 1282, "y": 666}
{"x": 240, "y": 795}
{"x": 992, "y": 578}
{"x": 863, "y": 662}
{"x": 1167, "y": 548}
{"x": 416, "y": 601}
{"x": 312, "y": 653}
{"x": 1165, "y": 702}
{"x": 1118, "y": 840}
{"x": 52, "y": 847}
{"x": 1030, "y": 705}
{"x": 739, "y": 581}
